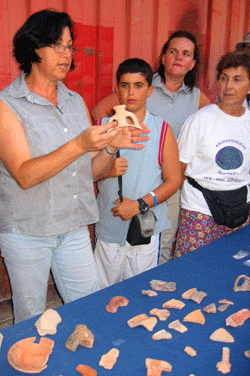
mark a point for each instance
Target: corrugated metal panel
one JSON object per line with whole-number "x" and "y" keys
{"x": 110, "y": 31}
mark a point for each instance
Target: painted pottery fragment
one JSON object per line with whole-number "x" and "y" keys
{"x": 1, "y": 339}
{"x": 47, "y": 322}
{"x": 161, "y": 334}
{"x": 210, "y": 308}
{"x": 115, "y": 303}
{"x": 29, "y": 357}
{"x": 162, "y": 314}
{"x": 245, "y": 286}
{"x": 173, "y": 303}
{"x": 109, "y": 359}
{"x": 124, "y": 118}
{"x": 247, "y": 354}
{"x": 86, "y": 370}
{"x": 155, "y": 367}
{"x": 196, "y": 317}
{"x": 223, "y": 307}
{"x": 190, "y": 351}
{"x": 238, "y": 318}
{"x": 221, "y": 335}
{"x": 178, "y": 326}
{"x": 143, "y": 320}
{"x": 226, "y": 301}
{"x": 224, "y": 365}
{"x": 81, "y": 336}
{"x": 158, "y": 285}
{"x": 149, "y": 293}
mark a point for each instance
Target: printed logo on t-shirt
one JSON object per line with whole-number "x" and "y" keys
{"x": 229, "y": 158}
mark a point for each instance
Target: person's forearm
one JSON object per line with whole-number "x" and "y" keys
{"x": 102, "y": 163}
{"x": 128, "y": 208}
{"x": 162, "y": 193}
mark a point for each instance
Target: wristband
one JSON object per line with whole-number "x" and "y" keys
{"x": 154, "y": 197}
{"x": 109, "y": 152}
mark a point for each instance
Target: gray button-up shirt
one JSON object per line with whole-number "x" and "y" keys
{"x": 175, "y": 107}
{"x": 66, "y": 201}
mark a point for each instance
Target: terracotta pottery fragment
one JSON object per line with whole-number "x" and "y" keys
{"x": 178, "y": 326}
{"x": 115, "y": 303}
{"x": 226, "y": 301}
{"x": 162, "y": 314}
{"x": 1, "y": 339}
{"x": 86, "y": 370}
{"x": 221, "y": 335}
{"x": 158, "y": 285}
{"x": 149, "y": 293}
{"x": 247, "y": 354}
{"x": 173, "y": 303}
{"x": 47, "y": 322}
{"x": 198, "y": 296}
{"x": 210, "y": 308}
{"x": 124, "y": 118}
{"x": 224, "y": 365}
{"x": 136, "y": 320}
{"x": 155, "y": 367}
{"x": 29, "y": 357}
{"x": 190, "y": 351}
{"x": 187, "y": 294}
{"x": 223, "y": 307}
{"x": 196, "y": 317}
{"x": 238, "y": 318}
{"x": 143, "y": 320}
{"x": 161, "y": 334}
{"x": 109, "y": 359}
{"x": 193, "y": 294}
{"x": 81, "y": 336}
{"x": 245, "y": 286}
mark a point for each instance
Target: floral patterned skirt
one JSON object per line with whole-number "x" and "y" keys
{"x": 197, "y": 229}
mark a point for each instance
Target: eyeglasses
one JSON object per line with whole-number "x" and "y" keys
{"x": 60, "y": 49}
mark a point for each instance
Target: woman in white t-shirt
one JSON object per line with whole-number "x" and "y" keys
{"x": 214, "y": 150}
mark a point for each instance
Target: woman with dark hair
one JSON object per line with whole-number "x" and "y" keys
{"x": 174, "y": 98}
{"x": 244, "y": 47}
{"x": 215, "y": 161}
{"x": 190, "y": 76}
{"x": 47, "y": 199}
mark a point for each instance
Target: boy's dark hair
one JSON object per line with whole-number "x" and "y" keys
{"x": 233, "y": 60}
{"x": 135, "y": 65}
{"x": 191, "y": 76}
{"x": 41, "y": 29}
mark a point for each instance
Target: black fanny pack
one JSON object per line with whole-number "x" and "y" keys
{"x": 228, "y": 208}
{"x": 141, "y": 228}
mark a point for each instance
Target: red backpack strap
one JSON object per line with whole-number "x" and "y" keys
{"x": 99, "y": 121}
{"x": 164, "y": 129}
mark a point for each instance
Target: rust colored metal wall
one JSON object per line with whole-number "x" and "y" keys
{"x": 110, "y": 31}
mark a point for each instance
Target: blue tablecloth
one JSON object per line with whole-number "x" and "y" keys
{"x": 212, "y": 269}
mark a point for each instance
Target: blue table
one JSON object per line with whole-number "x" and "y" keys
{"x": 211, "y": 269}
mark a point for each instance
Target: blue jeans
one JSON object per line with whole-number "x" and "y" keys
{"x": 28, "y": 260}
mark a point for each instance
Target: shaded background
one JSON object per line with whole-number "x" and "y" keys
{"x": 109, "y": 31}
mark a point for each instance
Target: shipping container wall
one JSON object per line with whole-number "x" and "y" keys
{"x": 109, "y": 31}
